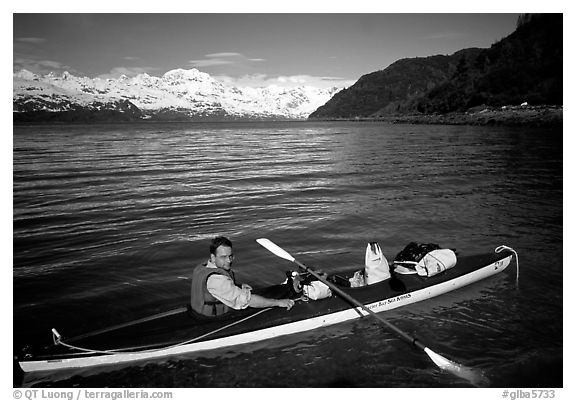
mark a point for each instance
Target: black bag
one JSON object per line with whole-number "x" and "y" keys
{"x": 413, "y": 252}
{"x": 295, "y": 282}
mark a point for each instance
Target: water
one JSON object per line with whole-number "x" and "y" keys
{"x": 110, "y": 219}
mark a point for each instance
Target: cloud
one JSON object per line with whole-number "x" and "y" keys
{"x": 284, "y": 81}
{"x": 34, "y": 41}
{"x": 224, "y": 54}
{"x": 41, "y": 67}
{"x": 223, "y": 58}
{"x": 51, "y": 64}
{"x": 294, "y": 79}
{"x": 334, "y": 79}
{"x": 209, "y": 62}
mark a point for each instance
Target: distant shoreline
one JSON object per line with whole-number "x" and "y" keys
{"x": 526, "y": 116}
{"x": 530, "y": 116}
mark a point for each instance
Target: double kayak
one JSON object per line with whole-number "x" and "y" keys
{"x": 179, "y": 331}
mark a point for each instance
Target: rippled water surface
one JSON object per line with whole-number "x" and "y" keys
{"x": 110, "y": 219}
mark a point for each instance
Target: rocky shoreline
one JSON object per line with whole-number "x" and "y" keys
{"x": 524, "y": 115}
{"x": 531, "y": 116}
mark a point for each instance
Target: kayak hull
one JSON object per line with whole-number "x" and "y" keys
{"x": 146, "y": 341}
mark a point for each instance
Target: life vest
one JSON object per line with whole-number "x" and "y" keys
{"x": 201, "y": 301}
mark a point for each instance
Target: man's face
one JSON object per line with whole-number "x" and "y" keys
{"x": 223, "y": 258}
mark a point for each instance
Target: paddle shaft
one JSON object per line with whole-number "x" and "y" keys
{"x": 400, "y": 333}
{"x": 132, "y": 323}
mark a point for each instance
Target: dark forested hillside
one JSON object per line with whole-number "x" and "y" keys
{"x": 395, "y": 89}
{"x": 526, "y": 66}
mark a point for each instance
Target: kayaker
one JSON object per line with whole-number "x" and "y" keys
{"x": 214, "y": 290}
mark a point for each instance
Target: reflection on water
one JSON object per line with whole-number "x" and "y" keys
{"x": 109, "y": 220}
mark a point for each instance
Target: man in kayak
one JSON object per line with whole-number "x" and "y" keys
{"x": 215, "y": 292}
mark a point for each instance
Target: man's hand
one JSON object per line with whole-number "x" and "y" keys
{"x": 286, "y": 303}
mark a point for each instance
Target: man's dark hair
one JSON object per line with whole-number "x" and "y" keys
{"x": 216, "y": 242}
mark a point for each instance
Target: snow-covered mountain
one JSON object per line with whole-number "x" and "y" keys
{"x": 182, "y": 93}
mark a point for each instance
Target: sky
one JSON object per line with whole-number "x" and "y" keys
{"x": 245, "y": 49}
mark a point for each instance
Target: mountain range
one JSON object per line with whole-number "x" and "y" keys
{"x": 177, "y": 95}
{"x": 522, "y": 68}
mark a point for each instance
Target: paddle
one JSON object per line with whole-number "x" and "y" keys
{"x": 440, "y": 361}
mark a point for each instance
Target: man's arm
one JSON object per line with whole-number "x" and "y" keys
{"x": 223, "y": 289}
{"x": 257, "y": 301}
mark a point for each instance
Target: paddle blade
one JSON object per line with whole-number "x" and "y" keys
{"x": 275, "y": 249}
{"x": 443, "y": 363}
{"x": 475, "y": 377}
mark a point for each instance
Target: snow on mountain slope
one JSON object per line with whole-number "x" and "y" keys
{"x": 187, "y": 91}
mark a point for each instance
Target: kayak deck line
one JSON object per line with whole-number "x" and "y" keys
{"x": 171, "y": 335}
{"x": 58, "y": 341}
{"x": 123, "y": 325}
